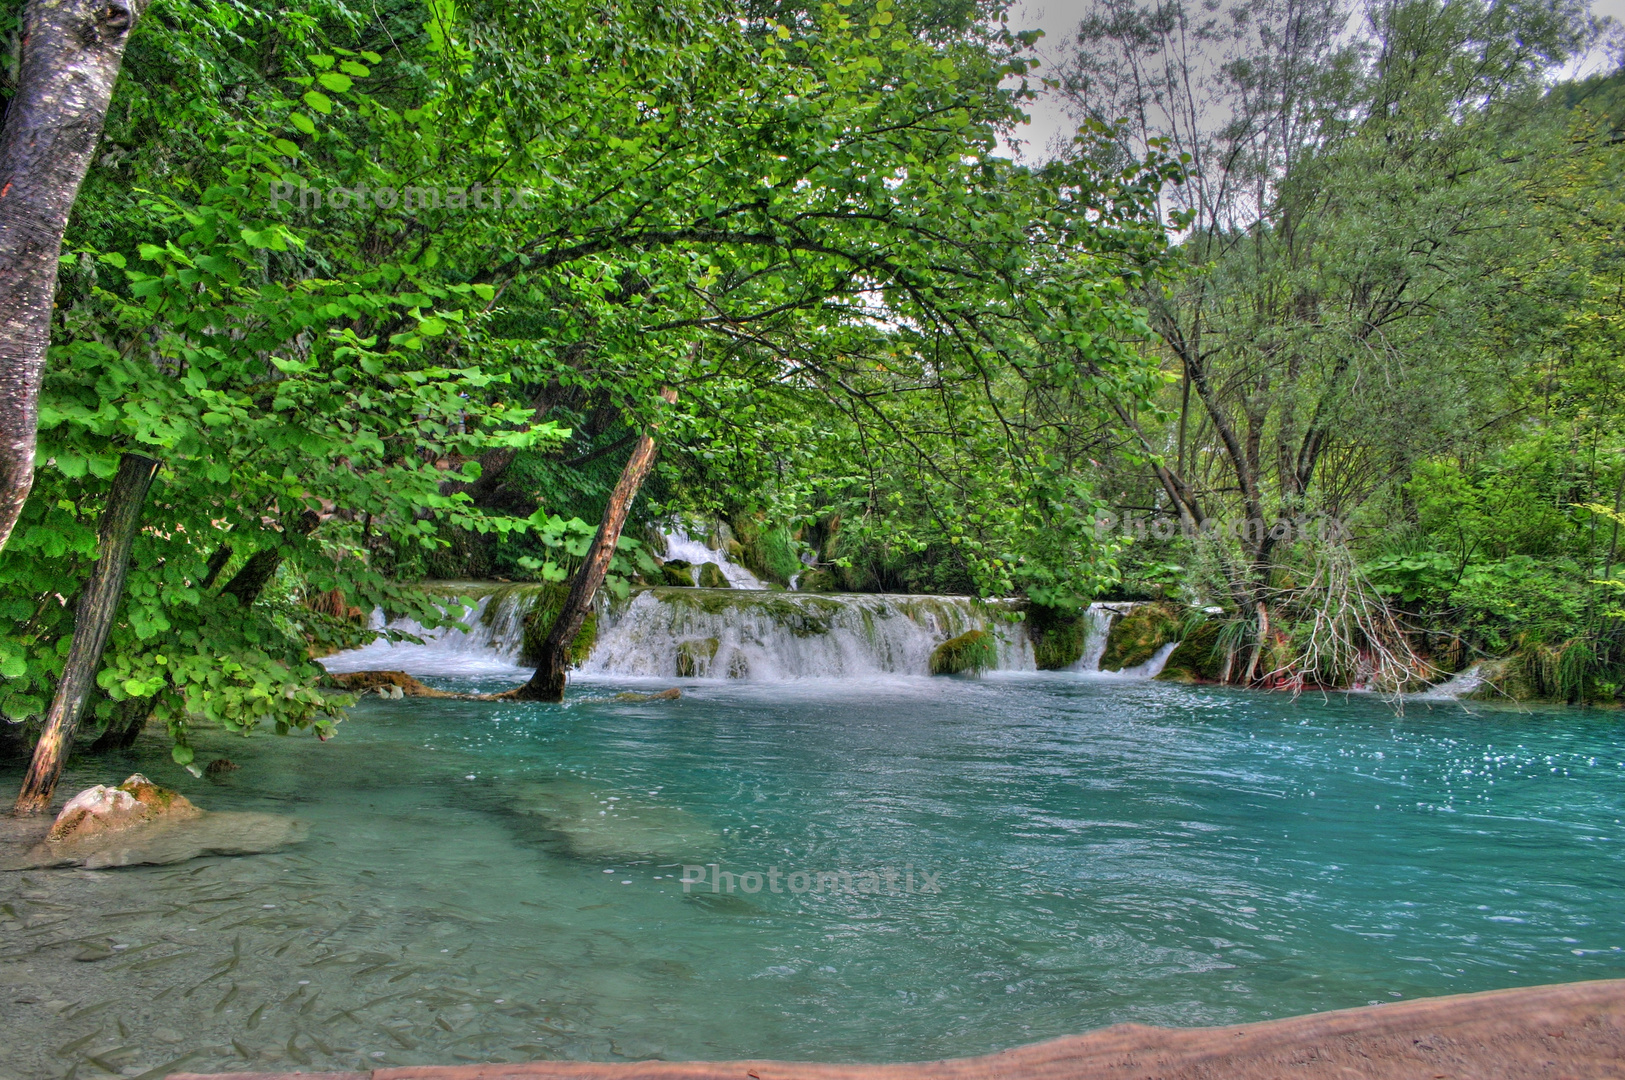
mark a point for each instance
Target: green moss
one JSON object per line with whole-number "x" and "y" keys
{"x": 1057, "y": 636}
{"x": 678, "y": 573}
{"x": 711, "y": 577}
{"x": 1198, "y": 657}
{"x": 974, "y": 651}
{"x": 539, "y": 620}
{"x": 1134, "y": 638}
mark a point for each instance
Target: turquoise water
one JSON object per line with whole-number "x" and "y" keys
{"x": 503, "y": 881}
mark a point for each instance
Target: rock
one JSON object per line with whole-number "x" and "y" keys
{"x": 139, "y": 822}
{"x": 101, "y": 809}
{"x": 711, "y": 577}
{"x": 974, "y": 651}
{"x": 678, "y": 572}
{"x": 694, "y": 657}
{"x": 664, "y": 695}
{"x": 219, "y": 767}
{"x": 390, "y": 684}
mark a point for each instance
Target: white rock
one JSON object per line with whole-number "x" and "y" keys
{"x": 100, "y": 799}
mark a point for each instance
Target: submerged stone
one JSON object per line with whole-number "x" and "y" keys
{"x": 671, "y": 694}
{"x": 594, "y": 824}
{"x": 139, "y": 823}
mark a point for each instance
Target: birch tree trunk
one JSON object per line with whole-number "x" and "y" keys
{"x": 547, "y": 684}
{"x": 71, "y": 53}
{"x": 91, "y": 624}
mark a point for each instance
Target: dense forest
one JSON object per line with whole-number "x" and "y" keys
{"x": 1310, "y": 335}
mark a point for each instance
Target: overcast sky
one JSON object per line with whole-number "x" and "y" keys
{"x": 1058, "y": 18}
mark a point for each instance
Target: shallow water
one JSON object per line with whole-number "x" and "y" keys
{"x": 501, "y": 881}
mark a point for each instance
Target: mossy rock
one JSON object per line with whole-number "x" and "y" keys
{"x": 719, "y": 535}
{"x": 817, "y": 581}
{"x": 694, "y": 657}
{"x": 1058, "y": 637}
{"x": 736, "y": 552}
{"x": 677, "y": 573}
{"x": 974, "y": 651}
{"x": 539, "y": 620}
{"x": 712, "y": 577}
{"x": 1135, "y": 638}
{"x": 1197, "y": 659}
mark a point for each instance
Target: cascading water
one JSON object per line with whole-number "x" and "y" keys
{"x": 489, "y": 645}
{"x": 679, "y": 545}
{"x": 777, "y": 635}
{"x": 746, "y": 633}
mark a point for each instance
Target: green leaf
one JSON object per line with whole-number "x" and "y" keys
{"x": 318, "y": 101}
{"x": 182, "y": 754}
{"x": 302, "y": 123}
{"x": 431, "y": 327}
{"x": 335, "y": 82}
{"x": 13, "y": 667}
{"x": 289, "y": 148}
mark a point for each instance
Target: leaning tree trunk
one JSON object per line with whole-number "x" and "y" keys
{"x": 71, "y": 54}
{"x": 547, "y": 684}
{"x": 91, "y": 624}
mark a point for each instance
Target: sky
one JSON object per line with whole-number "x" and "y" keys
{"x": 1057, "y": 18}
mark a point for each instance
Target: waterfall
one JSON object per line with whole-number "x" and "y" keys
{"x": 1098, "y": 624}
{"x": 758, "y": 634}
{"x": 710, "y": 633}
{"x": 679, "y": 545}
{"x": 478, "y": 650}
{"x": 1458, "y": 686}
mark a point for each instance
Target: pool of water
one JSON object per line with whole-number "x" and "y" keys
{"x": 1005, "y": 860}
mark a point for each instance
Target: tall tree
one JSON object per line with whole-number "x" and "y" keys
{"x": 71, "y": 53}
